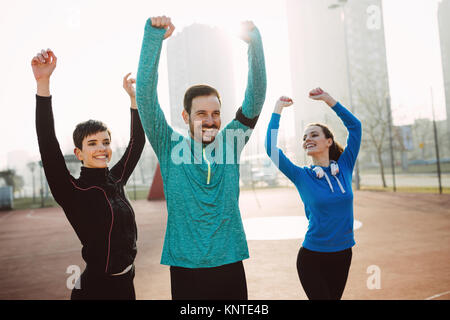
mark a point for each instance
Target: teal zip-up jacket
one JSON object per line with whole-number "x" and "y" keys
{"x": 201, "y": 183}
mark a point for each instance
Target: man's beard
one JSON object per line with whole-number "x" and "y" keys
{"x": 205, "y": 137}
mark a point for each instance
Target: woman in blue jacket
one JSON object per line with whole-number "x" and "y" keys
{"x": 325, "y": 188}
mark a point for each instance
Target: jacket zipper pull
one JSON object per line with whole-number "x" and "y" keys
{"x": 209, "y": 167}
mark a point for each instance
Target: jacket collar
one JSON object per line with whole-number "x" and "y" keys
{"x": 94, "y": 175}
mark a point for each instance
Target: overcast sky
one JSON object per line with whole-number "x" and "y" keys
{"x": 97, "y": 42}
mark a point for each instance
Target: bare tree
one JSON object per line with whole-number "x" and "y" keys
{"x": 372, "y": 111}
{"x": 12, "y": 179}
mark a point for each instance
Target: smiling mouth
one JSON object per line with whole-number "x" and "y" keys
{"x": 310, "y": 145}
{"x": 101, "y": 158}
{"x": 209, "y": 130}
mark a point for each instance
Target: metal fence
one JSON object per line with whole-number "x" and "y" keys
{"x": 6, "y": 198}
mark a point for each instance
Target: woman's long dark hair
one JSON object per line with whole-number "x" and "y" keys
{"x": 336, "y": 149}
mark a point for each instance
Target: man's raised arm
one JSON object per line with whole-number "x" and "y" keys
{"x": 255, "y": 94}
{"x": 152, "y": 117}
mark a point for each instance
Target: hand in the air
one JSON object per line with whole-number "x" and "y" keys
{"x": 43, "y": 64}
{"x": 128, "y": 85}
{"x": 246, "y": 28}
{"x": 284, "y": 102}
{"x": 319, "y": 94}
{"x": 163, "y": 22}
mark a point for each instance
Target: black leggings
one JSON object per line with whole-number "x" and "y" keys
{"x": 323, "y": 275}
{"x": 105, "y": 287}
{"x": 225, "y": 282}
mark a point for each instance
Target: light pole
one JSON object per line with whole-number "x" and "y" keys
{"x": 134, "y": 185}
{"x": 436, "y": 144}
{"x": 32, "y": 166}
{"x": 389, "y": 111}
{"x": 42, "y": 184}
{"x": 341, "y": 4}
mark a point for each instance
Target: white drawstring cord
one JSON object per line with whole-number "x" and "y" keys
{"x": 329, "y": 182}
{"x": 320, "y": 174}
{"x": 340, "y": 185}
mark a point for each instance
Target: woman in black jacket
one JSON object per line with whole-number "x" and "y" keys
{"x": 95, "y": 204}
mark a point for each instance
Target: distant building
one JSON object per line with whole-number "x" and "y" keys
{"x": 444, "y": 33}
{"x": 330, "y": 39}
{"x": 200, "y": 54}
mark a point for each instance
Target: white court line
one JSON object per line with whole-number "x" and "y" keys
{"x": 437, "y": 295}
{"x": 279, "y": 228}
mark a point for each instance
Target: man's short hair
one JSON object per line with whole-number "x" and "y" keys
{"x": 87, "y": 128}
{"x": 198, "y": 91}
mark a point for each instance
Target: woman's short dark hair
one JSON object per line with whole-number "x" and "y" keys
{"x": 336, "y": 149}
{"x": 87, "y": 128}
{"x": 198, "y": 91}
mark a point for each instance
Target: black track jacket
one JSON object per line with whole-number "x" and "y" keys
{"x": 95, "y": 204}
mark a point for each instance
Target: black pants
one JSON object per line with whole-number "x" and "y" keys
{"x": 323, "y": 275}
{"x": 225, "y": 282}
{"x": 104, "y": 287}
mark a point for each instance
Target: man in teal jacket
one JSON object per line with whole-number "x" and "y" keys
{"x": 205, "y": 241}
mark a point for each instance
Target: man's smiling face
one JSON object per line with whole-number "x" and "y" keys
{"x": 204, "y": 119}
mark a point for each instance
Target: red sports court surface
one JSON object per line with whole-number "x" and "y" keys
{"x": 403, "y": 248}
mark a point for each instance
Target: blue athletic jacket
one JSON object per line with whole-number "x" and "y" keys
{"x": 328, "y": 201}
